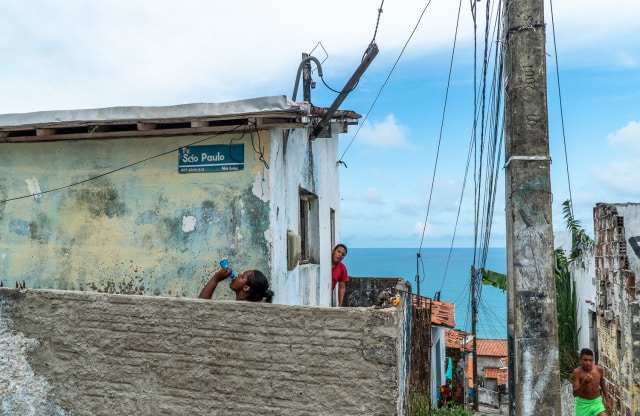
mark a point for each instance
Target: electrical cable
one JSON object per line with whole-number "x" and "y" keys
{"x": 564, "y": 137}
{"x": 455, "y": 227}
{"x": 340, "y": 161}
{"x": 373, "y": 41}
{"x": 444, "y": 110}
{"x": 71, "y": 185}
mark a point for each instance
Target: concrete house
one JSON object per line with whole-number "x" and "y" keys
{"x": 617, "y": 303}
{"x": 148, "y": 200}
{"x": 493, "y": 371}
{"x": 442, "y": 318}
{"x": 459, "y": 351}
{"x": 608, "y": 296}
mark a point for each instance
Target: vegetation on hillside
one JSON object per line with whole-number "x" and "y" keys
{"x": 421, "y": 406}
{"x": 567, "y": 302}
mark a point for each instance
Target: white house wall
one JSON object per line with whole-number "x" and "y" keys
{"x": 297, "y": 163}
{"x": 584, "y": 276}
{"x": 144, "y": 228}
{"x": 438, "y": 357}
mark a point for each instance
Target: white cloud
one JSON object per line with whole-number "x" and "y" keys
{"x": 373, "y": 196}
{"x": 617, "y": 178}
{"x": 627, "y": 137}
{"x": 419, "y": 229}
{"x": 628, "y": 60}
{"x": 386, "y": 133}
{"x": 78, "y": 54}
{"x": 408, "y": 206}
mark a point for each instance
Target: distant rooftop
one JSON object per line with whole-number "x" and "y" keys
{"x": 492, "y": 347}
{"x": 442, "y": 313}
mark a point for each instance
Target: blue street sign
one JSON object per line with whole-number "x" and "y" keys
{"x": 211, "y": 158}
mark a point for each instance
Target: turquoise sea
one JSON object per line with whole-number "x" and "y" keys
{"x": 443, "y": 270}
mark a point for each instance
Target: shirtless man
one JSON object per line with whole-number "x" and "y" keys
{"x": 589, "y": 389}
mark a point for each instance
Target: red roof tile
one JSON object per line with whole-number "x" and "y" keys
{"x": 456, "y": 339}
{"x": 492, "y": 347}
{"x": 442, "y": 313}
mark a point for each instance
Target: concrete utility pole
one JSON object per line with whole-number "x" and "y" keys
{"x": 534, "y": 382}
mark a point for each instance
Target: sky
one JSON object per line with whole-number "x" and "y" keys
{"x": 406, "y": 163}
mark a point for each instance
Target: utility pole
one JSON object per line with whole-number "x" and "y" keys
{"x": 474, "y": 333}
{"x": 534, "y": 382}
{"x": 307, "y": 82}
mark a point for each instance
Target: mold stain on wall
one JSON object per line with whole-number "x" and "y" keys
{"x": 100, "y": 202}
{"x": 124, "y": 233}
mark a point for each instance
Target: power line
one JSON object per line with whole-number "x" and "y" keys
{"x": 71, "y": 185}
{"x": 564, "y": 137}
{"x": 340, "y": 161}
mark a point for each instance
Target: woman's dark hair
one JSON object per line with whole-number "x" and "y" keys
{"x": 259, "y": 287}
{"x": 343, "y": 246}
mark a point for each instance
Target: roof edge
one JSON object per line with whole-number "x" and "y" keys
{"x": 255, "y": 106}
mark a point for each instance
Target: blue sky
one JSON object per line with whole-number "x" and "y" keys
{"x": 78, "y": 54}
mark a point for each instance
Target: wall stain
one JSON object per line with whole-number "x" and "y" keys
{"x": 3, "y": 197}
{"x": 99, "y": 202}
{"x": 38, "y": 230}
{"x": 147, "y": 217}
{"x": 258, "y": 218}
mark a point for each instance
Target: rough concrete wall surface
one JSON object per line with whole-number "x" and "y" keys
{"x": 85, "y": 353}
{"x": 568, "y": 401}
{"x": 616, "y": 227}
{"x": 364, "y": 291}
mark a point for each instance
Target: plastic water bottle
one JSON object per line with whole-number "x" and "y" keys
{"x": 224, "y": 263}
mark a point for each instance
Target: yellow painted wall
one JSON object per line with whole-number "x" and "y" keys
{"x": 122, "y": 232}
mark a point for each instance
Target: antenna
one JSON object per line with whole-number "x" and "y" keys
{"x": 369, "y": 55}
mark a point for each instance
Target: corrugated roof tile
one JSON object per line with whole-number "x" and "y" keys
{"x": 442, "y": 313}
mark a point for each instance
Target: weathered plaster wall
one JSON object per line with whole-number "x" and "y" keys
{"x": 617, "y": 259}
{"x": 138, "y": 227}
{"x": 84, "y": 353}
{"x": 438, "y": 357}
{"x": 297, "y": 163}
{"x": 584, "y": 275}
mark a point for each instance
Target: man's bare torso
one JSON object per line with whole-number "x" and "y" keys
{"x": 590, "y": 380}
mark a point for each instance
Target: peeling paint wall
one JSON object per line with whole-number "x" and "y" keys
{"x": 617, "y": 259}
{"x": 297, "y": 163}
{"x": 116, "y": 216}
{"x": 84, "y": 353}
{"x": 584, "y": 276}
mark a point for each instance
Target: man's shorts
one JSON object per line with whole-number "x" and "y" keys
{"x": 585, "y": 407}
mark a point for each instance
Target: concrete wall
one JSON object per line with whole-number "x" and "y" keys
{"x": 81, "y": 353}
{"x": 298, "y": 163}
{"x": 617, "y": 259}
{"x": 584, "y": 275}
{"x": 127, "y": 232}
{"x": 438, "y": 358}
{"x": 364, "y": 291}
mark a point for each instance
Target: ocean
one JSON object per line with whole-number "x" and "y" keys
{"x": 441, "y": 270}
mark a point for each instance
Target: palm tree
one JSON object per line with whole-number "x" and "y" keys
{"x": 567, "y": 302}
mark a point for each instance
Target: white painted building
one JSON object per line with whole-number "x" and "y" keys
{"x": 118, "y": 200}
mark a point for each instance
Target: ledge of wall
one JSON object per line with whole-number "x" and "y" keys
{"x": 79, "y": 353}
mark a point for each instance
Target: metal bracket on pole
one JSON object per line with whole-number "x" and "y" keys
{"x": 528, "y": 158}
{"x": 371, "y": 53}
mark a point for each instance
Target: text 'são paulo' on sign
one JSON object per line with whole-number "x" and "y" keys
{"x": 211, "y": 158}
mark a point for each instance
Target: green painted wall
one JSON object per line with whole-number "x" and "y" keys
{"x": 122, "y": 232}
